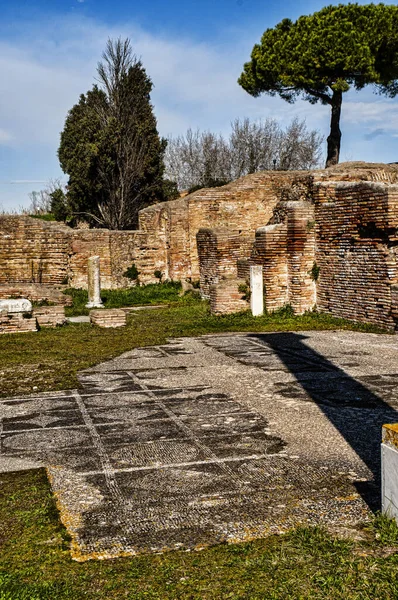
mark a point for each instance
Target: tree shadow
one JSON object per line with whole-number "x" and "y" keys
{"x": 356, "y": 411}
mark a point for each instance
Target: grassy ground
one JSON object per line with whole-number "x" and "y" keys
{"x": 50, "y": 359}
{"x": 136, "y": 296}
{"x": 34, "y": 560}
{"x": 305, "y": 564}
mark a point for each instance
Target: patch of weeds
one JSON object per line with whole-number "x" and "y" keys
{"x": 132, "y": 273}
{"x": 43, "y": 302}
{"x": 310, "y": 225}
{"x": 285, "y": 312}
{"x": 244, "y": 289}
{"x": 315, "y": 272}
{"x": 384, "y": 529}
{"x": 152, "y": 293}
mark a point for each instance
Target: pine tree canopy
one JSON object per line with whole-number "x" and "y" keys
{"x": 323, "y": 55}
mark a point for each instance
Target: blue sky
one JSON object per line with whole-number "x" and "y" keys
{"x": 194, "y": 53}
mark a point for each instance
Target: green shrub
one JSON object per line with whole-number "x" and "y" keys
{"x": 132, "y": 273}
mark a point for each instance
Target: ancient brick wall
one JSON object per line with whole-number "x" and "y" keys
{"x": 219, "y": 251}
{"x": 241, "y": 206}
{"x": 356, "y": 239}
{"x": 341, "y": 222}
{"x": 226, "y": 297}
{"x": 270, "y": 251}
{"x": 332, "y": 241}
{"x": 86, "y": 243}
{"x": 33, "y": 251}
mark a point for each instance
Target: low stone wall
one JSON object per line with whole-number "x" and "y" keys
{"x": 16, "y": 323}
{"x": 113, "y": 317}
{"x": 225, "y": 297}
{"x": 49, "y": 316}
{"x": 35, "y": 292}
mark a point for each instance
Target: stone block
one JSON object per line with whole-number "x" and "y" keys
{"x": 16, "y": 323}
{"x": 111, "y": 317}
{"x": 35, "y": 292}
{"x": 256, "y": 290}
{"x": 225, "y": 297}
{"x": 18, "y": 305}
{"x": 50, "y": 316}
{"x": 389, "y": 470}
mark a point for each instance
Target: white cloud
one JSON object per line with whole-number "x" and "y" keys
{"x": 194, "y": 84}
{"x": 5, "y": 136}
{"x": 44, "y": 70}
{"x": 372, "y": 113}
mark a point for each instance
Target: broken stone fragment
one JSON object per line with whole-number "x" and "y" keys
{"x": 18, "y": 305}
{"x": 94, "y": 283}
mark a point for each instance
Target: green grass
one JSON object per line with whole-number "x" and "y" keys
{"x": 35, "y": 563}
{"x": 153, "y": 293}
{"x": 305, "y": 564}
{"x": 50, "y": 359}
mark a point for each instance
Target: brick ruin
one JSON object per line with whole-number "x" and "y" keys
{"x": 332, "y": 242}
{"x": 327, "y": 238}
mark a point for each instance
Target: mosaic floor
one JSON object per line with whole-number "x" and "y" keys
{"x": 219, "y": 438}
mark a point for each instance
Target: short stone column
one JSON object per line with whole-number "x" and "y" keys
{"x": 389, "y": 471}
{"x": 94, "y": 283}
{"x": 256, "y": 290}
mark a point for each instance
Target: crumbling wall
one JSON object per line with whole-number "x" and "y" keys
{"x": 356, "y": 241}
{"x": 326, "y": 237}
{"x": 241, "y": 206}
{"x": 33, "y": 251}
{"x": 117, "y": 250}
{"x": 219, "y": 251}
{"x": 332, "y": 241}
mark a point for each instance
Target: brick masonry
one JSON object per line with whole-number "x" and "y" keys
{"x": 332, "y": 242}
{"x": 35, "y": 292}
{"x": 49, "y": 316}
{"x": 339, "y": 223}
{"x": 357, "y": 251}
{"x": 112, "y": 317}
{"x": 16, "y": 323}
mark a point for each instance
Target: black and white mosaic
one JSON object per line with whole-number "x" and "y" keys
{"x": 222, "y": 438}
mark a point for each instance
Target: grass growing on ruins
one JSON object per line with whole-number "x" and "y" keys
{"x": 50, "y": 359}
{"x": 153, "y": 293}
{"x": 305, "y": 564}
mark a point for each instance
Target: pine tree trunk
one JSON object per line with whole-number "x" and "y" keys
{"x": 334, "y": 138}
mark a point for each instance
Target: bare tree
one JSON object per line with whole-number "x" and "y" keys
{"x": 253, "y": 146}
{"x": 200, "y": 158}
{"x": 299, "y": 148}
{"x": 40, "y": 202}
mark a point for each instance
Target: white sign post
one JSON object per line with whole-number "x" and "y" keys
{"x": 256, "y": 290}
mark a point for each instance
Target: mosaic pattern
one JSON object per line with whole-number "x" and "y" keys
{"x": 143, "y": 458}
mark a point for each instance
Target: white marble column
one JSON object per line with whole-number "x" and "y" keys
{"x": 256, "y": 290}
{"x": 94, "y": 283}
